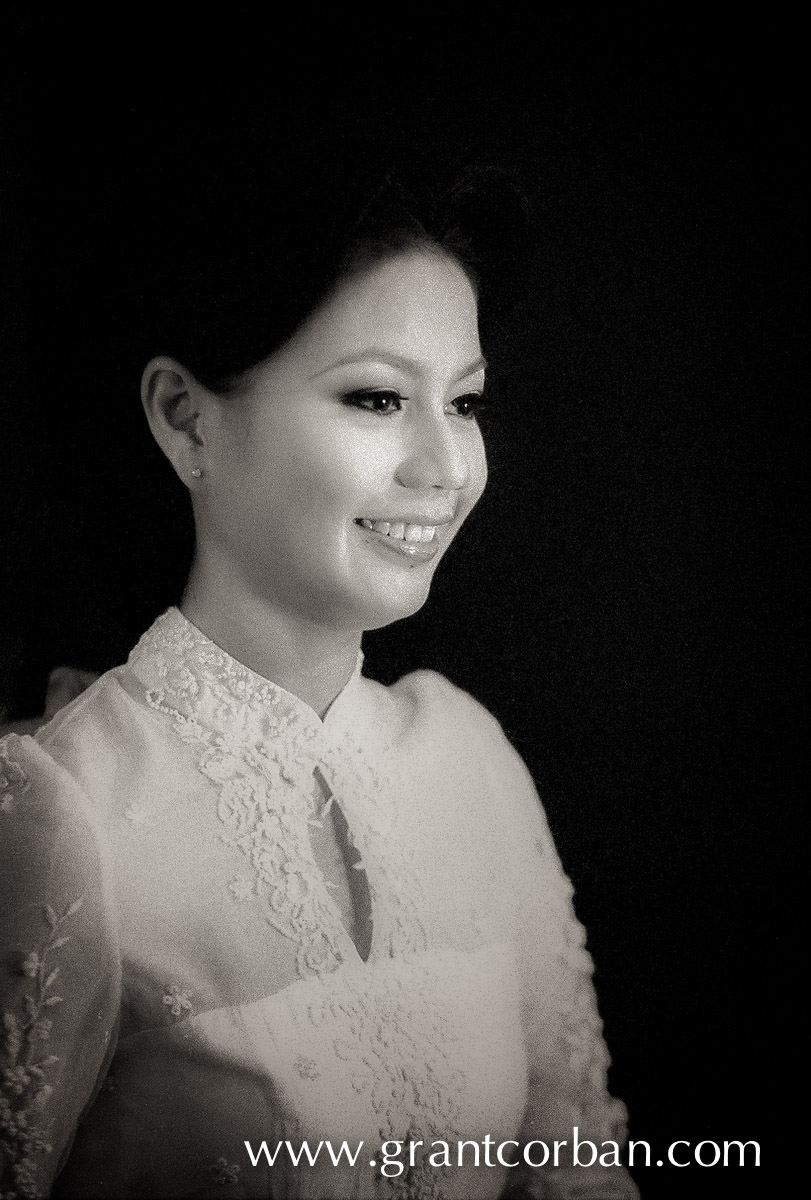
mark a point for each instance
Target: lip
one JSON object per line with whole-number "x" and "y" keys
{"x": 413, "y": 519}
{"x": 413, "y": 552}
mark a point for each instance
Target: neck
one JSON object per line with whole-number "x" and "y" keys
{"x": 301, "y": 656}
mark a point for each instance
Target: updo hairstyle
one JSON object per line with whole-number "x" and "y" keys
{"x": 241, "y": 252}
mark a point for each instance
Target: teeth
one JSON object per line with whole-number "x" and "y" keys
{"x": 401, "y": 531}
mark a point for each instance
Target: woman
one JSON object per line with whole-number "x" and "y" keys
{"x": 256, "y": 899}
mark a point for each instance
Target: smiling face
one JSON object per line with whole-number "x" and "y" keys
{"x": 344, "y": 466}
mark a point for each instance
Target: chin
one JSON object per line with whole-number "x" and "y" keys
{"x": 386, "y": 610}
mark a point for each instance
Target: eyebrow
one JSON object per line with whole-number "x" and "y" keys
{"x": 410, "y": 365}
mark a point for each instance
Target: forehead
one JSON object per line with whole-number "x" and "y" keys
{"x": 419, "y": 305}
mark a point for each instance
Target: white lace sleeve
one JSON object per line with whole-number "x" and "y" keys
{"x": 59, "y": 968}
{"x": 567, "y": 1056}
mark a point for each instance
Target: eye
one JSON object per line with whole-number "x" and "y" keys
{"x": 469, "y": 405}
{"x": 380, "y": 401}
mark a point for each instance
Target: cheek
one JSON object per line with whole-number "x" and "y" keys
{"x": 477, "y": 478}
{"x": 307, "y": 465}
{"x": 346, "y": 469}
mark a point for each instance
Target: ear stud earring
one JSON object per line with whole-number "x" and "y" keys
{"x": 197, "y": 472}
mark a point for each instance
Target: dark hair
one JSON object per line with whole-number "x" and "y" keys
{"x": 244, "y": 252}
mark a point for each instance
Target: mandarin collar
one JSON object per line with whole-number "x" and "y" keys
{"x": 189, "y": 672}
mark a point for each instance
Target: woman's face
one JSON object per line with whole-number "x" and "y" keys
{"x": 338, "y": 476}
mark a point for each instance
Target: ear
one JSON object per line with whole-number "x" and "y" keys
{"x": 175, "y": 403}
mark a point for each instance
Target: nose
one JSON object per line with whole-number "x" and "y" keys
{"x": 435, "y": 455}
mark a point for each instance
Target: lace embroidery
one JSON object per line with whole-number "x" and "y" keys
{"x": 178, "y": 1000}
{"x": 241, "y": 888}
{"x": 13, "y": 781}
{"x": 140, "y": 815}
{"x": 402, "y": 1054}
{"x": 261, "y": 746}
{"x": 260, "y": 755}
{"x": 24, "y": 1089}
{"x": 307, "y": 1068}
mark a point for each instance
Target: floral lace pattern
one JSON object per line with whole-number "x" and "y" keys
{"x": 306, "y": 1068}
{"x": 24, "y": 1089}
{"x": 262, "y": 746}
{"x": 139, "y": 815}
{"x": 178, "y": 1000}
{"x": 401, "y": 1052}
{"x": 241, "y": 889}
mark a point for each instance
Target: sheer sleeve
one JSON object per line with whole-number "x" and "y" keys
{"x": 59, "y": 967}
{"x": 567, "y": 1056}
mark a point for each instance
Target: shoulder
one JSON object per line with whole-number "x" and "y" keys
{"x": 430, "y": 696}
{"x": 426, "y": 706}
{"x": 28, "y": 774}
{"x": 96, "y": 705}
{"x": 441, "y": 715}
{"x": 90, "y": 737}
{"x": 467, "y": 741}
{"x": 54, "y": 799}
{"x": 70, "y": 762}
{"x": 47, "y": 826}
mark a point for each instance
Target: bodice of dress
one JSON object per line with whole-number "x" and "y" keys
{"x": 183, "y": 979}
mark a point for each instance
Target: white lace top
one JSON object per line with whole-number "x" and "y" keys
{"x": 179, "y": 968}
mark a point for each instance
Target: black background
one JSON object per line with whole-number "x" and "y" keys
{"x": 627, "y": 597}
